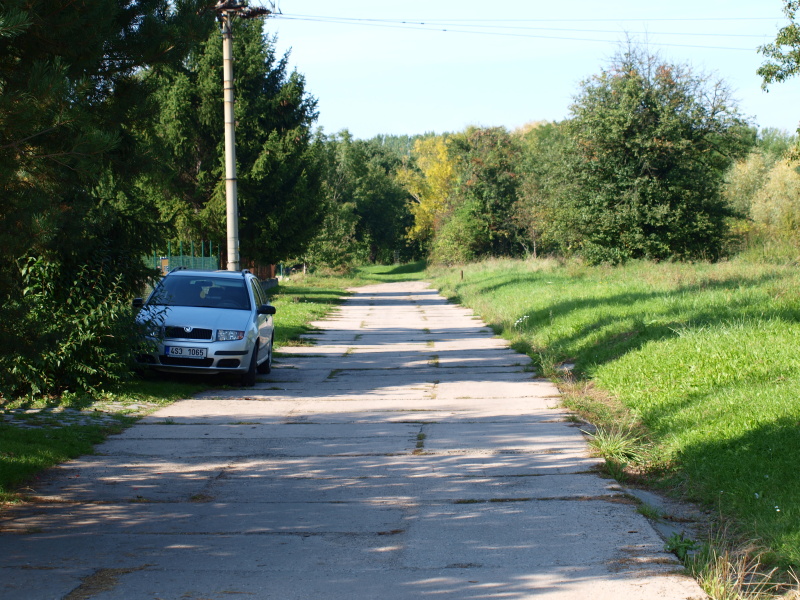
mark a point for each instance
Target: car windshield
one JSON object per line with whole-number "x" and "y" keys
{"x": 206, "y": 291}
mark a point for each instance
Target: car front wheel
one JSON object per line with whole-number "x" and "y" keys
{"x": 249, "y": 378}
{"x": 265, "y": 367}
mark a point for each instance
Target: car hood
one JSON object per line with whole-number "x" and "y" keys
{"x": 197, "y": 317}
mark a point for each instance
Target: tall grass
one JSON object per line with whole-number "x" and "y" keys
{"x": 705, "y": 357}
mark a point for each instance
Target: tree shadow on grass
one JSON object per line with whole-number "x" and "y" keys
{"x": 625, "y": 328}
{"x": 753, "y": 476}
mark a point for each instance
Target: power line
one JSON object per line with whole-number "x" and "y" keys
{"x": 518, "y": 28}
{"x": 491, "y": 30}
{"x": 567, "y": 20}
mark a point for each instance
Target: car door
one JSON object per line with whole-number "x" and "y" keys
{"x": 263, "y": 322}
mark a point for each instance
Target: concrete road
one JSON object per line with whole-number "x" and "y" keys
{"x": 409, "y": 454}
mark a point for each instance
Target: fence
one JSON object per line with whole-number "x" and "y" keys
{"x": 167, "y": 263}
{"x": 263, "y": 272}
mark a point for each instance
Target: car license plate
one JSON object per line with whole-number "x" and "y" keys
{"x": 184, "y": 352}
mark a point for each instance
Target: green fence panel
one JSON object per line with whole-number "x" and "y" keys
{"x": 165, "y": 264}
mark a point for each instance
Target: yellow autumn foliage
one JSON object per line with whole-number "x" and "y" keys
{"x": 777, "y": 203}
{"x": 431, "y": 185}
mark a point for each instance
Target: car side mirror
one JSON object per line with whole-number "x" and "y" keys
{"x": 266, "y": 309}
{"x": 138, "y": 303}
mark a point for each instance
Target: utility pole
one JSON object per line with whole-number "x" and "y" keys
{"x": 226, "y": 10}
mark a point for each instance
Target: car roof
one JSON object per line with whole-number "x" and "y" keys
{"x": 202, "y": 273}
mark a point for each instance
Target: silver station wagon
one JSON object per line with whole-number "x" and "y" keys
{"x": 208, "y": 322}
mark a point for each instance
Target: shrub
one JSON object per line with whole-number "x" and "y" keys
{"x": 75, "y": 337}
{"x": 456, "y": 241}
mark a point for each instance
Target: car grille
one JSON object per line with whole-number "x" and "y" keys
{"x": 179, "y": 333}
{"x": 176, "y": 361}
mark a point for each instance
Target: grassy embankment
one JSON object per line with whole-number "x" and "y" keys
{"x": 59, "y": 435}
{"x": 700, "y": 362}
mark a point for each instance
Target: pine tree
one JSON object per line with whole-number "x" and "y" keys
{"x": 71, "y": 100}
{"x": 277, "y": 164}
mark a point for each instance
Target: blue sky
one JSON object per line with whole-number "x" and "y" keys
{"x": 522, "y": 60}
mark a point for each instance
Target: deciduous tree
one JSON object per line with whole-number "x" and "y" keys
{"x": 487, "y": 163}
{"x": 784, "y": 53}
{"x": 536, "y": 211}
{"x": 366, "y": 214}
{"x": 776, "y": 204}
{"x": 652, "y": 141}
{"x": 430, "y": 180}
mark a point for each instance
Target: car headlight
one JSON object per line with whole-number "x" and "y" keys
{"x": 229, "y": 335}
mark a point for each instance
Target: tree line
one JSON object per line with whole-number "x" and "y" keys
{"x": 654, "y": 162}
{"x": 111, "y": 146}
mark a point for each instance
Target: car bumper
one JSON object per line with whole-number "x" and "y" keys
{"x": 221, "y": 357}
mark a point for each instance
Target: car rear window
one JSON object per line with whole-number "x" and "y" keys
{"x": 207, "y": 292}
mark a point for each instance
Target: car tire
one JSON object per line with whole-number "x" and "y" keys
{"x": 249, "y": 377}
{"x": 266, "y": 367}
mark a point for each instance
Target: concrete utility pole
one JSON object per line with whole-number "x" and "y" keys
{"x": 226, "y": 10}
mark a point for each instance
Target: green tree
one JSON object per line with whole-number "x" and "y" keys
{"x": 339, "y": 243}
{"x": 399, "y": 145}
{"x": 651, "y": 142}
{"x": 73, "y": 226}
{"x": 366, "y": 215}
{"x": 280, "y": 206}
{"x": 487, "y": 161}
{"x": 70, "y": 98}
{"x": 537, "y": 212}
{"x": 784, "y": 53}
{"x": 464, "y": 187}
{"x": 775, "y": 144}
{"x": 381, "y": 202}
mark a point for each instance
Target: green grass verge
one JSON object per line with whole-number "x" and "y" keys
{"x": 26, "y": 452}
{"x": 44, "y": 434}
{"x": 298, "y": 304}
{"x": 703, "y": 357}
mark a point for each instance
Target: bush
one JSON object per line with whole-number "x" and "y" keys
{"x": 76, "y": 337}
{"x": 455, "y": 242}
{"x": 651, "y": 142}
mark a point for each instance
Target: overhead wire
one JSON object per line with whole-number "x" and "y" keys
{"x": 482, "y": 28}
